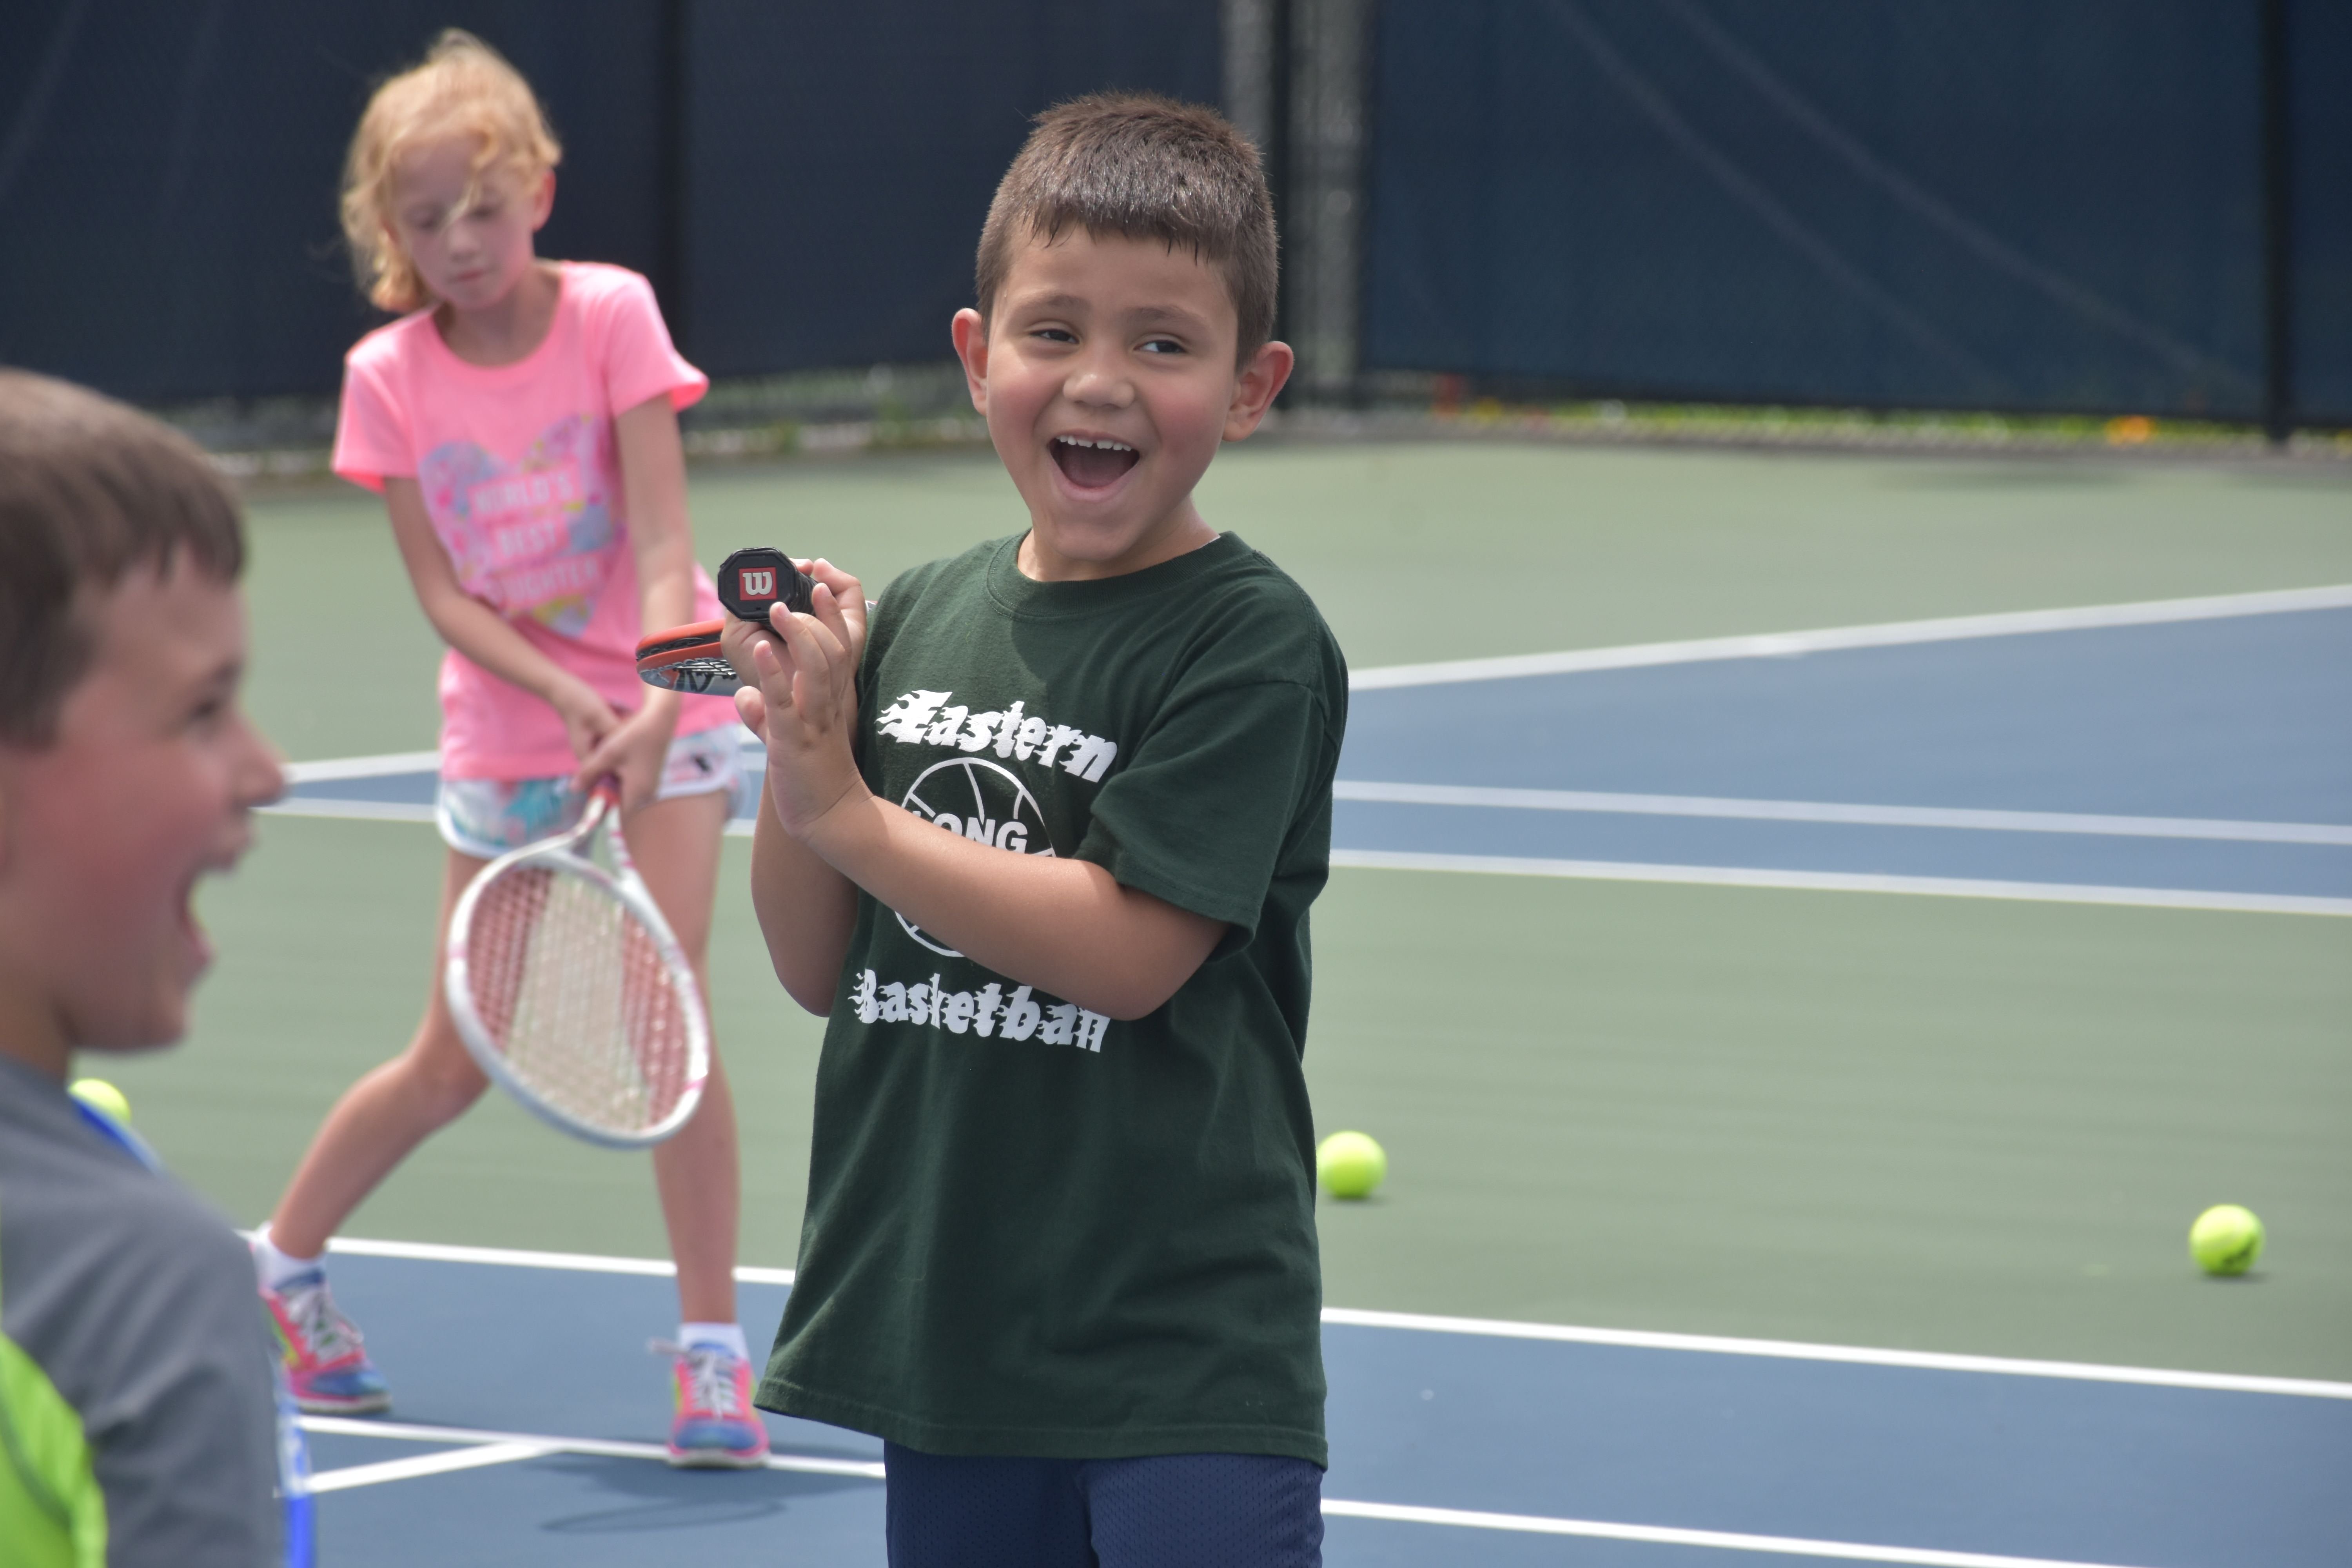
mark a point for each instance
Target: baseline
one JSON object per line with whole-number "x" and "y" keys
{"x": 1857, "y": 1355}
{"x": 1419, "y": 1322}
{"x": 1664, "y": 1535}
{"x": 1891, "y": 634}
{"x": 1843, "y": 883}
{"x": 479, "y": 1449}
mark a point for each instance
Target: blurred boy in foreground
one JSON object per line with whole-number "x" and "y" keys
{"x": 137, "y": 1417}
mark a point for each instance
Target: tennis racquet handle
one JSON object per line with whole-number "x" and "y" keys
{"x": 751, "y": 580}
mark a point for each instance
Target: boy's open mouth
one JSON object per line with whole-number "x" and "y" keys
{"x": 1090, "y": 463}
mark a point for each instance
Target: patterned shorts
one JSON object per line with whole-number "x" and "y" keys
{"x": 486, "y": 817}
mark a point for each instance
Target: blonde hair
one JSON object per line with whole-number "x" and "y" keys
{"x": 463, "y": 87}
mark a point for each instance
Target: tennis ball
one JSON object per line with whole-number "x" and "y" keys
{"x": 2226, "y": 1239}
{"x": 101, "y": 1096}
{"x": 1350, "y": 1164}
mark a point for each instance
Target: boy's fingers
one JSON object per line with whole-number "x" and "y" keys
{"x": 752, "y": 709}
{"x": 830, "y": 609}
{"x": 816, "y": 651}
{"x": 849, "y": 593}
{"x": 768, "y": 669}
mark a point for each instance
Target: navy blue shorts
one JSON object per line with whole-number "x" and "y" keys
{"x": 1177, "y": 1510}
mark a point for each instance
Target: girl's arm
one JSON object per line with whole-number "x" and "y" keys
{"x": 481, "y": 633}
{"x": 653, "y": 488}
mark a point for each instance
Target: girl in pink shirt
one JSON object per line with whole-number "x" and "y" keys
{"x": 521, "y": 425}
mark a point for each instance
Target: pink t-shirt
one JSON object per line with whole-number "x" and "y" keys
{"x": 521, "y": 475}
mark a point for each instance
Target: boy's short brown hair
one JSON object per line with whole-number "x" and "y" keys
{"x": 88, "y": 488}
{"x": 1146, "y": 167}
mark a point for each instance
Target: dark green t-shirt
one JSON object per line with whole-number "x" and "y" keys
{"x": 1032, "y": 1229}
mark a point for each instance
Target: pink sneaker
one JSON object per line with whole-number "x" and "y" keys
{"x": 715, "y": 1425}
{"x": 326, "y": 1365}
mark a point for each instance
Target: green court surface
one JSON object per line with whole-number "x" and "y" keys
{"x": 1951, "y": 1124}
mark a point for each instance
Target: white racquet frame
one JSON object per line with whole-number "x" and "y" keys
{"x": 564, "y": 856}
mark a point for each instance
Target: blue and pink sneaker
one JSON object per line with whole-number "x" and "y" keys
{"x": 327, "y": 1366}
{"x": 715, "y": 1425}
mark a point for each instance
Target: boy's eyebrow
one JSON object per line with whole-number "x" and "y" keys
{"x": 1176, "y": 313}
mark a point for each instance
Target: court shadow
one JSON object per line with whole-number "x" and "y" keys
{"x": 653, "y": 1497}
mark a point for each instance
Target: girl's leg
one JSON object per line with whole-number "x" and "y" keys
{"x": 388, "y": 1113}
{"x": 676, "y": 845}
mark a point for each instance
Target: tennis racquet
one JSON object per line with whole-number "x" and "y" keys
{"x": 686, "y": 658}
{"x": 568, "y": 987}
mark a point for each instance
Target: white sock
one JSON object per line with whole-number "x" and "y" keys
{"x": 728, "y": 1336}
{"x": 276, "y": 1267}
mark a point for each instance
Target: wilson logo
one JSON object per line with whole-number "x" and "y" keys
{"x": 756, "y": 582}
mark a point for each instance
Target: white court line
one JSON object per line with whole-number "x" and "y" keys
{"x": 1419, "y": 1322}
{"x": 1845, "y": 882}
{"x": 1721, "y": 1539}
{"x": 2201, "y": 827}
{"x": 476, "y": 1458}
{"x": 364, "y": 767}
{"x": 511, "y": 1257}
{"x": 1784, "y": 645}
{"x": 485, "y": 1448}
{"x": 1858, "y": 1355}
{"x": 356, "y": 810}
{"x": 600, "y": 1447}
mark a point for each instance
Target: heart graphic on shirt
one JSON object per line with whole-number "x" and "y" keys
{"x": 533, "y": 538}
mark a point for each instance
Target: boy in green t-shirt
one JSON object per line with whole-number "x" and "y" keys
{"x": 1059, "y": 1249}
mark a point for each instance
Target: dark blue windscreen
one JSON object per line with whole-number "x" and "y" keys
{"x": 2319, "y": 44}
{"x": 1990, "y": 203}
{"x": 842, "y": 157}
{"x": 169, "y": 169}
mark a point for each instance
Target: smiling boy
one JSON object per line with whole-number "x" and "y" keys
{"x": 138, "y": 1422}
{"x": 1041, "y": 843}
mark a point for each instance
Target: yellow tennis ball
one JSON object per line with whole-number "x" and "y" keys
{"x": 2226, "y": 1239}
{"x": 101, "y": 1096}
{"x": 1350, "y": 1164}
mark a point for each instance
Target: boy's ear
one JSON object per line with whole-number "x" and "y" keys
{"x": 542, "y": 201}
{"x": 970, "y": 335}
{"x": 1261, "y": 380}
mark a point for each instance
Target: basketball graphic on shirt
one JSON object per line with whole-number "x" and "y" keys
{"x": 979, "y": 801}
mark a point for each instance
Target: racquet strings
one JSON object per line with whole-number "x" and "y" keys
{"x": 572, "y": 989}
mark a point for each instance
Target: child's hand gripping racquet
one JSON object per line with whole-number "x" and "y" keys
{"x": 686, "y": 658}
{"x": 569, "y": 989}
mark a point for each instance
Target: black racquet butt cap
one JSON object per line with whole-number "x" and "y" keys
{"x": 752, "y": 579}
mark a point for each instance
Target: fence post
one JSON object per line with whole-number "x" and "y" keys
{"x": 671, "y": 160}
{"x": 1330, "y": 57}
{"x": 2278, "y": 228}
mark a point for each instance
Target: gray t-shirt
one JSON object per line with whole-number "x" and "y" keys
{"x": 137, "y": 1303}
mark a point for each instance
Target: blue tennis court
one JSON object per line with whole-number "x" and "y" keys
{"x": 2189, "y": 755}
{"x": 523, "y": 1437}
{"x": 2193, "y": 756}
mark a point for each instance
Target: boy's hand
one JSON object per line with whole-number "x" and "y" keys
{"x": 843, "y": 614}
{"x": 800, "y": 698}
